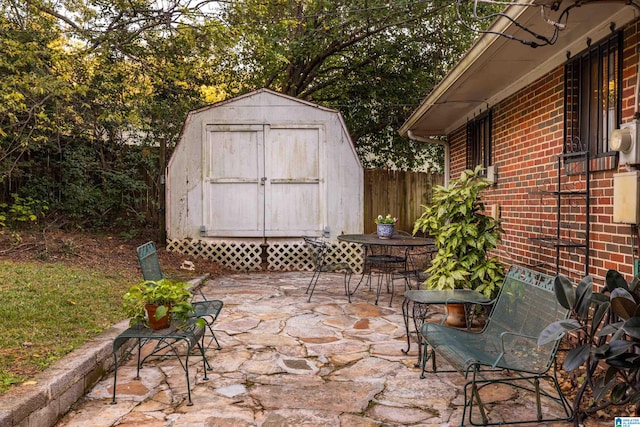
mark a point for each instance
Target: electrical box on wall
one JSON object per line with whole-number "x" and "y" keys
{"x": 495, "y": 211}
{"x": 625, "y": 141}
{"x": 626, "y": 197}
{"x": 492, "y": 174}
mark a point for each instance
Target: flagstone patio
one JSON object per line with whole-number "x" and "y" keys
{"x": 286, "y": 362}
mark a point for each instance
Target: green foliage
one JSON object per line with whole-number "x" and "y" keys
{"x": 371, "y": 60}
{"x": 22, "y": 210}
{"x": 606, "y": 328}
{"x": 464, "y": 235}
{"x": 94, "y": 94}
{"x": 70, "y": 114}
{"x": 172, "y": 296}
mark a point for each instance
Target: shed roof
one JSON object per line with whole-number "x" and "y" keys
{"x": 287, "y": 98}
{"x": 248, "y": 98}
{"x": 496, "y": 67}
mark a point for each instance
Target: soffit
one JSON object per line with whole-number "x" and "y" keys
{"x": 496, "y": 67}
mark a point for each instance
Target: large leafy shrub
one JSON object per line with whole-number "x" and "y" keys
{"x": 464, "y": 235}
{"x": 605, "y": 331}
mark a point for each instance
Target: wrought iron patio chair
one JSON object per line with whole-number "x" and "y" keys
{"x": 383, "y": 259}
{"x": 208, "y": 310}
{"x": 506, "y": 350}
{"x": 418, "y": 260}
{"x": 323, "y": 261}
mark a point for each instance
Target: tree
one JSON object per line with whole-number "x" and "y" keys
{"x": 91, "y": 88}
{"x": 369, "y": 59}
{"x": 81, "y": 105}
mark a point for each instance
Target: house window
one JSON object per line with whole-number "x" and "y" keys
{"x": 593, "y": 98}
{"x": 479, "y": 142}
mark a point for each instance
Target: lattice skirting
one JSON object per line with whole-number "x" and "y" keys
{"x": 280, "y": 256}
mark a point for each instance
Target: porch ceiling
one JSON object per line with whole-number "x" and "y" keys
{"x": 496, "y": 67}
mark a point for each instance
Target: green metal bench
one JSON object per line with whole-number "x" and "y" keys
{"x": 506, "y": 350}
{"x": 208, "y": 310}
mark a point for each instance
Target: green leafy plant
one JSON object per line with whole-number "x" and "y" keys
{"x": 22, "y": 210}
{"x": 170, "y": 296}
{"x": 605, "y": 331}
{"x": 389, "y": 219}
{"x": 464, "y": 235}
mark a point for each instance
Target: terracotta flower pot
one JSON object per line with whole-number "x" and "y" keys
{"x": 154, "y": 323}
{"x": 456, "y": 316}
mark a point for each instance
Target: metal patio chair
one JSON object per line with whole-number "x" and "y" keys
{"x": 418, "y": 260}
{"x": 383, "y": 260}
{"x": 208, "y": 310}
{"x": 323, "y": 262}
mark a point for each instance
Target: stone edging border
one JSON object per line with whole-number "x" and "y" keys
{"x": 56, "y": 389}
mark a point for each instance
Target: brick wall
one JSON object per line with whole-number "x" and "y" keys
{"x": 527, "y": 137}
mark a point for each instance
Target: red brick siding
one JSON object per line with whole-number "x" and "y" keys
{"x": 527, "y": 136}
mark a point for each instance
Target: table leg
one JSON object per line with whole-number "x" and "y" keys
{"x": 405, "y": 317}
{"x": 419, "y": 316}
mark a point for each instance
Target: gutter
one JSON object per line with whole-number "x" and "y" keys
{"x": 445, "y": 144}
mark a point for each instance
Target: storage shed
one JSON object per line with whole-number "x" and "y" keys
{"x": 263, "y": 167}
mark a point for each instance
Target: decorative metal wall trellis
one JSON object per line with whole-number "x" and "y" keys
{"x": 564, "y": 224}
{"x": 280, "y": 256}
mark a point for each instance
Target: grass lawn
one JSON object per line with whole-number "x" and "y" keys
{"x": 47, "y": 310}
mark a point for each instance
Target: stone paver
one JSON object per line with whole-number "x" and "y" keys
{"x": 286, "y": 362}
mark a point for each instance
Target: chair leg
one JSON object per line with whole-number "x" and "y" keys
{"x": 472, "y": 397}
{"x": 390, "y": 283}
{"x": 380, "y": 276}
{"x": 312, "y": 284}
{"x": 213, "y": 335}
{"x": 347, "y": 281}
{"x": 358, "y": 285}
{"x": 426, "y": 355}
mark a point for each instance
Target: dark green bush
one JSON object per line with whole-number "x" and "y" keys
{"x": 606, "y": 331}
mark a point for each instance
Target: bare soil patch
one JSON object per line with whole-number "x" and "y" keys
{"x": 93, "y": 250}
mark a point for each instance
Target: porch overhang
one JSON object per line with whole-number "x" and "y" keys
{"x": 496, "y": 67}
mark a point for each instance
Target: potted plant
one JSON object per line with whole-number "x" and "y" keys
{"x": 385, "y": 226}
{"x": 464, "y": 236}
{"x": 155, "y": 303}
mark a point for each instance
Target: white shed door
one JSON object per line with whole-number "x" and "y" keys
{"x": 293, "y": 202}
{"x": 233, "y": 198}
{"x": 262, "y": 181}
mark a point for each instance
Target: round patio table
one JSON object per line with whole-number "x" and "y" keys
{"x": 395, "y": 240}
{"x": 383, "y": 259}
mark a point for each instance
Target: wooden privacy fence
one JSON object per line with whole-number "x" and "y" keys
{"x": 399, "y": 193}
